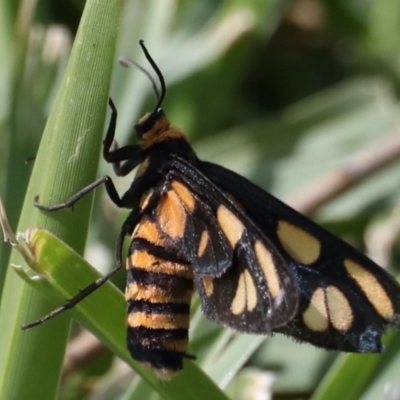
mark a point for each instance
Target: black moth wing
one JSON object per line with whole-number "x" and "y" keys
{"x": 346, "y": 300}
{"x": 254, "y": 292}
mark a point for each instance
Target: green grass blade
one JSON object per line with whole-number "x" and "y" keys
{"x": 66, "y": 161}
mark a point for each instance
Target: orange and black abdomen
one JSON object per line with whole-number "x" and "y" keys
{"x": 158, "y": 293}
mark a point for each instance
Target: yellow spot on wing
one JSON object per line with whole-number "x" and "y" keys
{"x": 315, "y": 317}
{"x": 203, "y": 244}
{"x": 185, "y": 195}
{"x": 328, "y": 305}
{"x": 267, "y": 265}
{"x": 299, "y": 244}
{"x": 230, "y": 225}
{"x": 208, "y": 285}
{"x": 246, "y": 294}
{"x": 340, "y": 313}
{"x": 172, "y": 215}
{"x": 370, "y": 286}
{"x": 239, "y": 301}
{"x": 251, "y": 291}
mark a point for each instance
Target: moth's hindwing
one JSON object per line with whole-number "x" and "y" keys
{"x": 242, "y": 279}
{"x": 346, "y": 300}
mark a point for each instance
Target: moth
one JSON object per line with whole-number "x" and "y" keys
{"x": 258, "y": 265}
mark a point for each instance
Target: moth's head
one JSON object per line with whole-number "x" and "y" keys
{"x": 152, "y": 125}
{"x": 149, "y": 122}
{"x": 155, "y": 128}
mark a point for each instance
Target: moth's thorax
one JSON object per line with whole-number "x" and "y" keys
{"x": 158, "y": 130}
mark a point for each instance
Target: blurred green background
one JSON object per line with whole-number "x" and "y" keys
{"x": 283, "y": 92}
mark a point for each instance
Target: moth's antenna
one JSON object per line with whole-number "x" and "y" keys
{"x": 128, "y": 62}
{"x": 159, "y": 75}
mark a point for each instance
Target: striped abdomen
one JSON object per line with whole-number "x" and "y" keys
{"x": 158, "y": 293}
